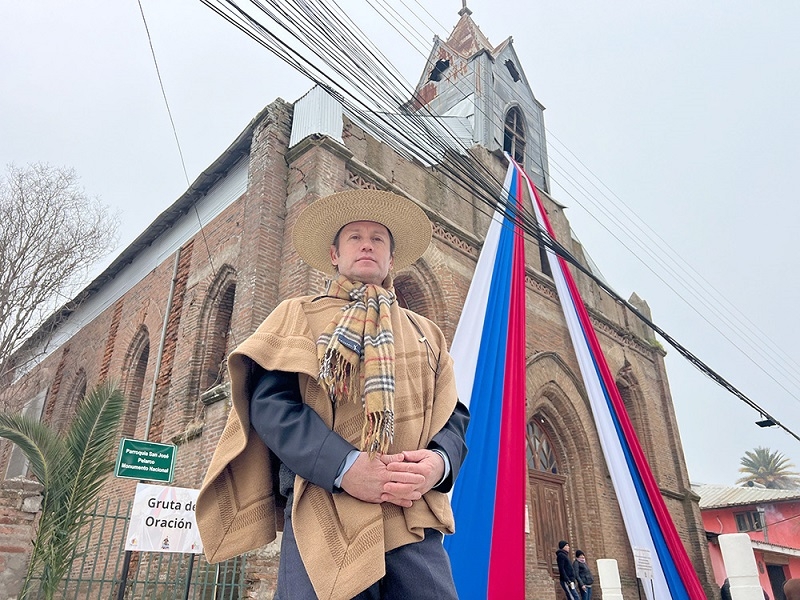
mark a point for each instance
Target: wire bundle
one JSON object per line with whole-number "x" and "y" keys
{"x": 320, "y": 41}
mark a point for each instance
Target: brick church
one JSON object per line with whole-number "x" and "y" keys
{"x": 162, "y": 317}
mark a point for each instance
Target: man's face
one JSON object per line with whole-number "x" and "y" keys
{"x": 364, "y": 253}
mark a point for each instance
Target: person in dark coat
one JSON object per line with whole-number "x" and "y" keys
{"x": 725, "y": 591}
{"x": 583, "y": 575}
{"x": 566, "y": 575}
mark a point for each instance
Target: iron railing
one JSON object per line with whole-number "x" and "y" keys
{"x": 97, "y": 567}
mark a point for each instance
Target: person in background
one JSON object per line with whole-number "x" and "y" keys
{"x": 583, "y": 575}
{"x": 566, "y": 575}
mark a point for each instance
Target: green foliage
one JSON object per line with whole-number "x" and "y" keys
{"x": 770, "y": 469}
{"x": 72, "y": 468}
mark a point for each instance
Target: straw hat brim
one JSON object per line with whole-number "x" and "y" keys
{"x": 319, "y": 223}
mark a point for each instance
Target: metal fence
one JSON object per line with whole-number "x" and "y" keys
{"x": 97, "y": 567}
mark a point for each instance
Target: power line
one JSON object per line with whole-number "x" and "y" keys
{"x": 178, "y": 144}
{"x": 346, "y": 66}
{"x": 715, "y": 302}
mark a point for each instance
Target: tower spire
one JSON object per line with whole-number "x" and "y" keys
{"x": 464, "y": 10}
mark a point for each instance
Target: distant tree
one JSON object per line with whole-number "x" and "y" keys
{"x": 51, "y": 233}
{"x": 770, "y": 469}
{"x": 72, "y": 468}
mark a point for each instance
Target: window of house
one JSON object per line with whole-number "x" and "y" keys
{"x": 544, "y": 260}
{"x": 514, "y": 135}
{"x": 749, "y": 521}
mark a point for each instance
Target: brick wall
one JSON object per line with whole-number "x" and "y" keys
{"x": 20, "y": 501}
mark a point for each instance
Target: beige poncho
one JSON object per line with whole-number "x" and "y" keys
{"x": 342, "y": 540}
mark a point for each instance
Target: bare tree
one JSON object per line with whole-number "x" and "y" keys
{"x": 51, "y": 233}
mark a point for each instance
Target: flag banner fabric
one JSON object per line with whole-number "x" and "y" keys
{"x": 487, "y": 552}
{"x": 648, "y": 523}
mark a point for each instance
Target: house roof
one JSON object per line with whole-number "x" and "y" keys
{"x": 718, "y": 496}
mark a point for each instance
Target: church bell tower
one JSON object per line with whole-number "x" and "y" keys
{"x": 468, "y": 78}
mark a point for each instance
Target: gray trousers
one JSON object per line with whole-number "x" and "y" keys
{"x": 420, "y": 571}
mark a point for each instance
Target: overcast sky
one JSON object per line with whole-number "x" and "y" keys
{"x": 685, "y": 111}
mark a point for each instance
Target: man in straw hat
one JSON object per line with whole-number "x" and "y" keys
{"x": 356, "y": 397}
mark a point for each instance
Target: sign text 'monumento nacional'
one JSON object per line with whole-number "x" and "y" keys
{"x": 138, "y": 459}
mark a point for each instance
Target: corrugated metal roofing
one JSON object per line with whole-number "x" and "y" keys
{"x": 316, "y": 112}
{"x": 717, "y": 496}
{"x": 415, "y": 135}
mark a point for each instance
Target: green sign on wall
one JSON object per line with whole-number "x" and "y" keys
{"x": 138, "y": 459}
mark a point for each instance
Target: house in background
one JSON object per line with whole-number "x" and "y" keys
{"x": 772, "y": 520}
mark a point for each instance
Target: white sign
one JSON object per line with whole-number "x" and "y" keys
{"x": 162, "y": 520}
{"x": 643, "y": 559}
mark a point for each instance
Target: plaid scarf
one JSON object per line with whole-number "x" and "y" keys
{"x": 356, "y": 358}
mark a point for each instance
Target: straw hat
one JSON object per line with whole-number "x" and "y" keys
{"x": 319, "y": 223}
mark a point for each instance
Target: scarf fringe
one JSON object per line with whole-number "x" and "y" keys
{"x": 377, "y": 433}
{"x": 336, "y": 373}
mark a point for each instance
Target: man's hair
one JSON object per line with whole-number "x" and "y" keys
{"x": 336, "y": 238}
{"x": 562, "y": 543}
{"x": 578, "y": 553}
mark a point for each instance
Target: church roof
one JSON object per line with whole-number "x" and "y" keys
{"x": 467, "y": 38}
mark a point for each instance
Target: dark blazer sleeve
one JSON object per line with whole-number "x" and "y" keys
{"x": 451, "y": 441}
{"x": 293, "y": 431}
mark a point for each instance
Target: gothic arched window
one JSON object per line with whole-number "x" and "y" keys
{"x": 541, "y": 456}
{"x": 219, "y": 328}
{"x": 135, "y": 371}
{"x": 77, "y": 390}
{"x": 514, "y": 134}
{"x": 214, "y": 331}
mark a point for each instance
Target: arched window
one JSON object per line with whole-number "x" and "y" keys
{"x": 540, "y": 451}
{"x": 76, "y": 392}
{"x": 215, "y": 325}
{"x": 631, "y": 393}
{"x": 217, "y": 341}
{"x": 438, "y": 69}
{"x": 411, "y": 295}
{"x": 401, "y": 299}
{"x": 514, "y": 135}
{"x": 135, "y": 370}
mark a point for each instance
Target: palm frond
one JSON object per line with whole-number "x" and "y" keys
{"x": 770, "y": 469}
{"x": 74, "y": 467}
{"x": 39, "y": 443}
{"x": 89, "y": 459}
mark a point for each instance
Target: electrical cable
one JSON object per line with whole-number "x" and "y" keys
{"x": 346, "y": 61}
{"x": 732, "y": 317}
{"x": 178, "y": 144}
